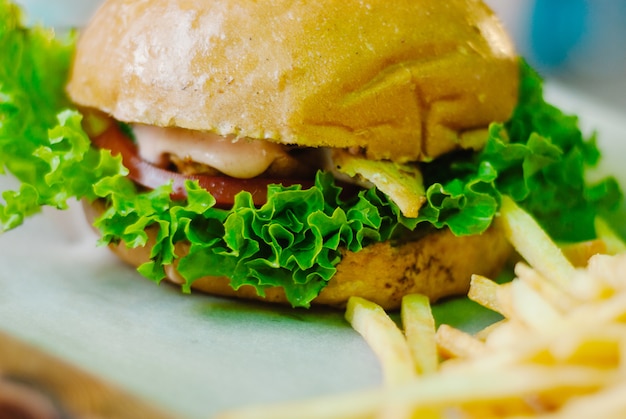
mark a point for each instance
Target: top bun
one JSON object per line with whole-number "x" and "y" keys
{"x": 404, "y": 80}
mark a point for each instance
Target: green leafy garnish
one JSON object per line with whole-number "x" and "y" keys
{"x": 539, "y": 158}
{"x": 41, "y": 142}
{"x": 295, "y": 240}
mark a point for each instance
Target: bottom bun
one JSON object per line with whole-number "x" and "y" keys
{"x": 437, "y": 265}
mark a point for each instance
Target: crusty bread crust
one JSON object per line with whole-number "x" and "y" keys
{"x": 437, "y": 265}
{"x": 404, "y": 80}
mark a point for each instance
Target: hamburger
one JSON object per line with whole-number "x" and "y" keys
{"x": 301, "y": 152}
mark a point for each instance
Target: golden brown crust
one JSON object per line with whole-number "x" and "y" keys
{"x": 437, "y": 265}
{"x": 405, "y": 80}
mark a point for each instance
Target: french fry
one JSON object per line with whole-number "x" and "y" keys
{"x": 439, "y": 391}
{"x": 532, "y": 309}
{"x": 491, "y": 295}
{"x": 608, "y": 403}
{"x": 497, "y": 386}
{"x": 622, "y": 365}
{"x": 609, "y": 271}
{"x": 359, "y": 405}
{"x": 384, "y": 337}
{"x": 534, "y": 244}
{"x": 555, "y": 295}
{"x": 504, "y": 335}
{"x": 598, "y": 347}
{"x": 484, "y": 291}
{"x": 454, "y": 343}
{"x": 608, "y": 311}
{"x": 419, "y": 328}
{"x": 389, "y": 411}
{"x": 494, "y": 386}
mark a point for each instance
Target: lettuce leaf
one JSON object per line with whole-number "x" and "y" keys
{"x": 42, "y": 143}
{"x": 293, "y": 241}
{"x": 539, "y": 158}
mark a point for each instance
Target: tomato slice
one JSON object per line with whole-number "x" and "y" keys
{"x": 223, "y": 188}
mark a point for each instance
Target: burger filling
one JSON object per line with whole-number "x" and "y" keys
{"x": 195, "y": 153}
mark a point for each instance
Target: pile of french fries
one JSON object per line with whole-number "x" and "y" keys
{"x": 558, "y": 352}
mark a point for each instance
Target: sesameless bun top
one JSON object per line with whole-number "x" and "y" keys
{"x": 403, "y": 80}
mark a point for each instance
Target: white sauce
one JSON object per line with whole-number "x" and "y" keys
{"x": 242, "y": 158}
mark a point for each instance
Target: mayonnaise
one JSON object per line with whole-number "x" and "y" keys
{"x": 242, "y": 158}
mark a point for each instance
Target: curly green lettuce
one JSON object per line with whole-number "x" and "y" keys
{"x": 294, "y": 241}
{"x": 539, "y": 158}
{"x": 42, "y": 143}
